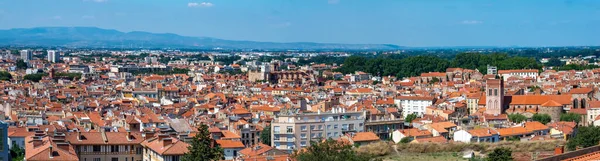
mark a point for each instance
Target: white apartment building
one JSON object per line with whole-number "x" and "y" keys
{"x": 413, "y": 104}
{"x": 523, "y": 73}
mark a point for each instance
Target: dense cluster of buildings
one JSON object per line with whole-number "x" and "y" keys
{"x": 118, "y": 111}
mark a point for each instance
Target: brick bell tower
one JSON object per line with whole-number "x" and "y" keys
{"x": 494, "y": 96}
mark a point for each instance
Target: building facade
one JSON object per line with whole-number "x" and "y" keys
{"x": 494, "y": 96}
{"x": 294, "y": 131}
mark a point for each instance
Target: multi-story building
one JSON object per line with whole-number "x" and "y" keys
{"x": 293, "y": 131}
{"x": 522, "y": 73}
{"x": 53, "y": 56}
{"x": 106, "y": 146}
{"x": 413, "y": 104}
{"x": 26, "y": 55}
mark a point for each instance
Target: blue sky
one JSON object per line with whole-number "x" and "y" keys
{"x": 417, "y": 23}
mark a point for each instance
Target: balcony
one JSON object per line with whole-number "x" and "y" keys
{"x": 286, "y": 140}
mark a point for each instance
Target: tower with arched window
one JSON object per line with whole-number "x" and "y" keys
{"x": 494, "y": 91}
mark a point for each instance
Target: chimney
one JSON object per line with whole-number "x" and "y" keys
{"x": 559, "y": 150}
{"x": 167, "y": 141}
{"x": 162, "y": 136}
{"x": 51, "y": 151}
{"x": 489, "y": 132}
{"x": 128, "y": 135}
{"x": 37, "y": 141}
{"x": 63, "y": 146}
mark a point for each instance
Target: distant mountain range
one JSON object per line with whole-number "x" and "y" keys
{"x": 93, "y": 37}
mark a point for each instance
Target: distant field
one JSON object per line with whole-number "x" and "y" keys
{"x": 423, "y": 157}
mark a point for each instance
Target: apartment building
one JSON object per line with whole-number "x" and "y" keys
{"x": 294, "y": 131}
{"x": 107, "y": 146}
{"x": 413, "y": 104}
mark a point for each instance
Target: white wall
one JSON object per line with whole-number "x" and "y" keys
{"x": 462, "y": 136}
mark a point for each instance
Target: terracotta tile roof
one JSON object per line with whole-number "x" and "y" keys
{"x": 581, "y": 90}
{"x": 229, "y": 135}
{"x": 256, "y": 150}
{"x": 539, "y": 99}
{"x": 176, "y": 147}
{"x": 511, "y": 131}
{"x": 365, "y": 136}
{"x": 483, "y": 132}
{"x": 230, "y": 144}
{"x": 42, "y": 152}
{"x": 415, "y": 98}
{"x": 106, "y": 138}
{"x": 415, "y": 132}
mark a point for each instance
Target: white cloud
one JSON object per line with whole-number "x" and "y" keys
{"x": 471, "y": 22}
{"x": 333, "y": 1}
{"x": 57, "y": 17}
{"x": 203, "y": 4}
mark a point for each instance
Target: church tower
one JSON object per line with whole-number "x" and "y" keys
{"x": 494, "y": 96}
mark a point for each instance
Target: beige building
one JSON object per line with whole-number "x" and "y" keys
{"x": 106, "y": 146}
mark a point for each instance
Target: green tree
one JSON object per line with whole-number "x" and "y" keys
{"x": 200, "y": 147}
{"x": 21, "y": 64}
{"x": 16, "y": 153}
{"x": 500, "y": 154}
{"x": 517, "y": 118}
{"x": 586, "y": 136}
{"x": 434, "y": 80}
{"x": 330, "y": 150}
{"x": 265, "y": 135}
{"x": 554, "y": 62}
{"x": 34, "y": 77}
{"x": 410, "y": 117}
{"x": 405, "y": 140}
{"x": 4, "y": 75}
{"x": 542, "y": 118}
{"x": 570, "y": 117}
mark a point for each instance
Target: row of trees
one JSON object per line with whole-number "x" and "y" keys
{"x": 5, "y": 76}
{"x": 401, "y": 66}
{"x": 544, "y": 118}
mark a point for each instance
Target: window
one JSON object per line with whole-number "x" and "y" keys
{"x": 489, "y": 92}
{"x": 335, "y": 134}
{"x": 496, "y": 92}
{"x": 328, "y": 126}
{"x": 96, "y": 159}
{"x": 303, "y": 135}
{"x": 303, "y": 143}
{"x": 303, "y": 128}
{"x": 312, "y": 127}
{"x": 328, "y": 134}
{"x": 335, "y": 126}
{"x": 320, "y": 127}
{"x": 276, "y": 130}
{"x": 96, "y": 148}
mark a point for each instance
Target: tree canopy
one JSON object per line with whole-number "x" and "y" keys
{"x": 542, "y": 118}
{"x": 586, "y": 136}
{"x": 410, "y": 117}
{"x": 517, "y": 118}
{"x": 570, "y": 117}
{"x": 21, "y": 64}
{"x": 200, "y": 147}
{"x": 35, "y": 77}
{"x": 500, "y": 154}
{"x": 330, "y": 150}
{"x": 402, "y": 66}
{"x": 265, "y": 135}
{"x": 4, "y": 75}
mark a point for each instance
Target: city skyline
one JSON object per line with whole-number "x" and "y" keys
{"x": 404, "y": 23}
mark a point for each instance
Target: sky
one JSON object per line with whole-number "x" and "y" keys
{"x": 415, "y": 23}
